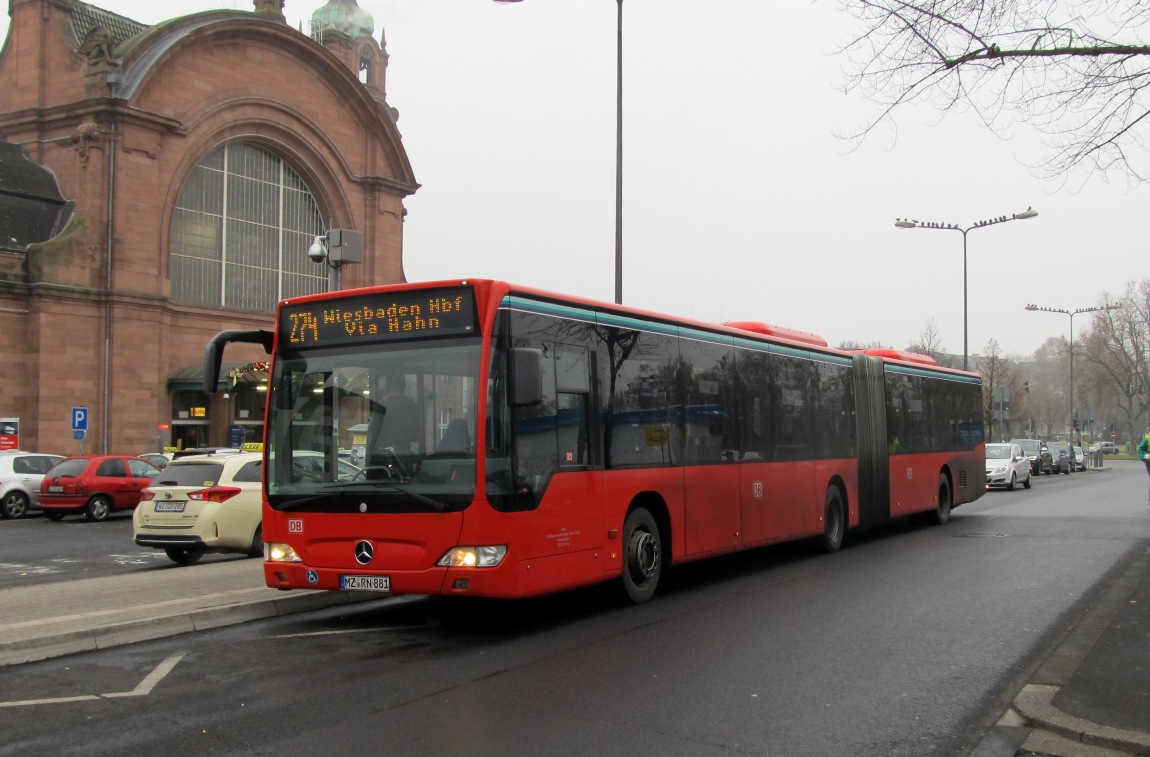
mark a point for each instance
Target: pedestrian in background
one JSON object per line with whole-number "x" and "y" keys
{"x": 1144, "y": 451}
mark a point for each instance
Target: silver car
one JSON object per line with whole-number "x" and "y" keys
{"x": 20, "y": 475}
{"x": 1007, "y": 465}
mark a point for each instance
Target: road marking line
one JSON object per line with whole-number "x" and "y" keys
{"x": 150, "y": 681}
{"x": 26, "y": 702}
{"x": 142, "y": 690}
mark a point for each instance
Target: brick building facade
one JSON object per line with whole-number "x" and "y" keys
{"x": 203, "y": 154}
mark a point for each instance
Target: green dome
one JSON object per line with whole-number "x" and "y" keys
{"x": 344, "y": 16}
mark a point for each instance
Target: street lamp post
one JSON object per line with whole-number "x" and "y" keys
{"x": 904, "y": 223}
{"x": 618, "y": 153}
{"x": 1072, "y": 313}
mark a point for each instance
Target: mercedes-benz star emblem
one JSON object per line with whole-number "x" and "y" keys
{"x": 364, "y": 552}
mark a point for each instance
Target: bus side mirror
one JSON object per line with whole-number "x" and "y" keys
{"x": 526, "y": 376}
{"x": 214, "y": 352}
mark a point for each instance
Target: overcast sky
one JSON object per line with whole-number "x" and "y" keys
{"x": 740, "y": 202}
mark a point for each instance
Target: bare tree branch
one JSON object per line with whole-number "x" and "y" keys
{"x": 1077, "y": 72}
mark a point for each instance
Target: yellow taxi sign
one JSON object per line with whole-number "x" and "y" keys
{"x": 252, "y": 446}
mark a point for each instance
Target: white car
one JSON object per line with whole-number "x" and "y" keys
{"x": 213, "y": 503}
{"x": 20, "y": 476}
{"x": 1006, "y": 466}
{"x": 203, "y": 503}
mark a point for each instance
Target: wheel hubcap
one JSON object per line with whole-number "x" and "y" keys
{"x": 643, "y": 556}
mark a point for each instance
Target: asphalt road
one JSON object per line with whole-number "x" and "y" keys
{"x": 910, "y": 641}
{"x": 35, "y": 550}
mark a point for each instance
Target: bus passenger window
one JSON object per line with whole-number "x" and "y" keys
{"x": 573, "y": 436}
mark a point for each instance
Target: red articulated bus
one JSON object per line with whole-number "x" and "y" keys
{"x": 515, "y": 442}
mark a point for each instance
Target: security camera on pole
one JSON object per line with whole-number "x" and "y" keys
{"x": 335, "y": 248}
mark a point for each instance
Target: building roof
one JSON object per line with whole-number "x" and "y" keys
{"x": 86, "y": 17}
{"x": 342, "y": 16}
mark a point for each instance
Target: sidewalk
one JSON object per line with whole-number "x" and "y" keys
{"x": 1090, "y": 698}
{"x": 50, "y": 620}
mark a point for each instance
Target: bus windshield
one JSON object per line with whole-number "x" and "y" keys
{"x": 389, "y": 427}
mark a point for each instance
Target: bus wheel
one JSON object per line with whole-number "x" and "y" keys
{"x": 942, "y": 512}
{"x": 834, "y": 520}
{"x": 642, "y": 556}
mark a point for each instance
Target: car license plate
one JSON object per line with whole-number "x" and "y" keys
{"x": 175, "y": 506}
{"x": 365, "y": 583}
{"x": 56, "y": 489}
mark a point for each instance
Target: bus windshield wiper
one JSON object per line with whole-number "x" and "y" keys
{"x": 432, "y": 503}
{"x": 296, "y": 502}
{"x": 358, "y": 487}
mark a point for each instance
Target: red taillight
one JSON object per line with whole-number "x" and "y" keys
{"x": 147, "y": 495}
{"x": 215, "y": 494}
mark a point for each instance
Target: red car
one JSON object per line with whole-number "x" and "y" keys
{"x": 94, "y": 485}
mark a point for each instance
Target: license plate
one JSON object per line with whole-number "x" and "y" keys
{"x": 175, "y": 506}
{"x": 56, "y": 489}
{"x": 365, "y": 583}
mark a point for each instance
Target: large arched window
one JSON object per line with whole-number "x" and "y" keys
{"x": 241, "y": 230}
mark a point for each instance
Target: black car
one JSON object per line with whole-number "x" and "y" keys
{"x": 1061, "y": 457}
{"x": 1039, "y": 454}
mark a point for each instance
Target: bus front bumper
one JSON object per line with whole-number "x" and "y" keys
{"x": 478, "y": 582}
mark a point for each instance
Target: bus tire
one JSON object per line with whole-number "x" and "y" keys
{"x": 834, "y": 520}
{"x": 642, "y": 556}
{"x": 941, "y": 512}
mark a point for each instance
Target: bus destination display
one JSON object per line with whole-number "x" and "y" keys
{"x": 378, "y": 317}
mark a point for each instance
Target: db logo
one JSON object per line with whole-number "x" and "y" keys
{"x": 295, "y": 525}
{"x": 757, "y": 490}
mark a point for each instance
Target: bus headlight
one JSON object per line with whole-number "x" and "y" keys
{"x": 280, "y": 553}
{"x": 473, "y": 557}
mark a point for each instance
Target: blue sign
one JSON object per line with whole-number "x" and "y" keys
{"x": 79, "y": 419}
{"x": 79, "y": 435}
